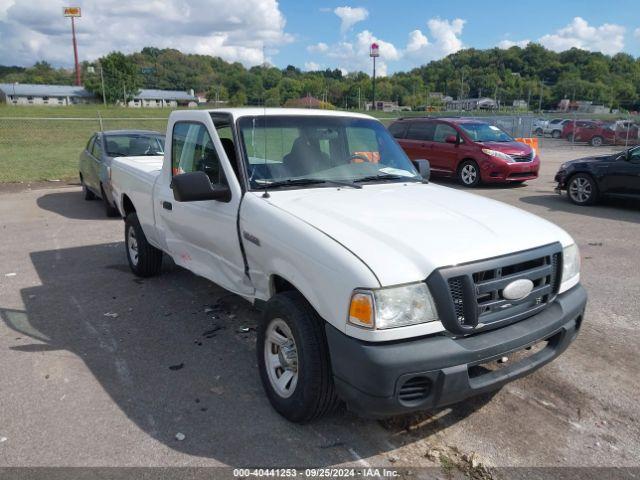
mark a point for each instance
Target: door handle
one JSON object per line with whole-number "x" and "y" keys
{"x": 167, "y": 205}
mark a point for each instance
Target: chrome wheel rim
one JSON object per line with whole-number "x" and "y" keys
{"x": 580, "y": 190}
{"x": 468, "y": 174}
{"x": 281, "y": 358}
{"x": 132, "y": 246}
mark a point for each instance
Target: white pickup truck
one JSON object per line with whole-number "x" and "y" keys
{"x": 377, "y": 287}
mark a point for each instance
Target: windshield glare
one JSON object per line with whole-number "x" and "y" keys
{"x": 133, "y": 145}
{"x": 282, "y": 148}
{"x": 483, "y": 132}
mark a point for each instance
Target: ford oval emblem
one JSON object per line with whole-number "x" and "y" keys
{"x": 518, "y": 289}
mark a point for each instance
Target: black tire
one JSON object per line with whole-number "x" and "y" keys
{"x": 588, "y": 194}
{"x": 556, "y": 133}
{"x": 148, "y": 261}
{"x": 466, "y": 175}
{"x": 314, "y": 393}
{"x": 539, "y": 132}
{"x": 109, "y": 209}
{"x": 596, "y": 141}
{"x": 88, "y": 194}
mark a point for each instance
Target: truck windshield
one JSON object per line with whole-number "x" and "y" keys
{"x": 483, "y": 132}
{"x": 282, "y": 150}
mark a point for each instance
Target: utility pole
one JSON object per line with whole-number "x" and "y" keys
{"x": 359, "y": 104}
{"x": 374, "y": 52}
{"x": 124, "y": 94}
{"x": 104, "y": 95}
{"x": 74, "y": 12}
{"x": 541, "y": 88}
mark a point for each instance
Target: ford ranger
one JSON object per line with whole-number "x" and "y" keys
{"x": 377, "y": 287}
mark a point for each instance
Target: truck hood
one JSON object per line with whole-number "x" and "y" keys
{"x": 402, "y": 232}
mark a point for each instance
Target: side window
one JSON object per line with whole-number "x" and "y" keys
{"x": 96, "y": 151}
{"x": 420, "y": 131}
{"x": 442, "y": 131}
{"x": 192, "y": 150}
{"x": 90, "y": 143}
{"x": 398, "y": 129}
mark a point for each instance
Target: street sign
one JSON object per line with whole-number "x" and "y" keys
{"x": 71, "y": 11}
{"x": 374, "y": 50}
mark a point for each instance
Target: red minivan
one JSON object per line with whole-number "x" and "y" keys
{"x": 469, "y": 149}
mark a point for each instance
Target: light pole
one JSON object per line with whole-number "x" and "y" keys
{"x": 374, "y": 52}
{"x": 74, "y": 12}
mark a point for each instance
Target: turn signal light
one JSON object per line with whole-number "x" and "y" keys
{"x": 361, "y": 310}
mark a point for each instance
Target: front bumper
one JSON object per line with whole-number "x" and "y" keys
{"x": 494, "y": 171}
{"x": 371, "y": 377}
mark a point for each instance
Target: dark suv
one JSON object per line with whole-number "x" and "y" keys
{"x": 471, "y": 150}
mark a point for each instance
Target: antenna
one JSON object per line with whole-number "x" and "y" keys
{"x": 264, "y": 126}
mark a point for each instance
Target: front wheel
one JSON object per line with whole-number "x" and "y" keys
{"x": 539, "y": 132}
{"x": 469, "y": 173}
{"x": 88, "y": 194}
{"x": 293, "y": 359}
{"x": 144, "y": 259}
{"x": 556, "y": 134}
{"x": 582, "y": 189}
{"x": 596, "y": 142}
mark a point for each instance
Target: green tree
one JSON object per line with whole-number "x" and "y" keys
{"x": 121, "y": 78}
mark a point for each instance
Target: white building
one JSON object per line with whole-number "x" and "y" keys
{"x": 468, "y": 104}
{"x": 52, "y": 95}
{"x": 151, "y": 98}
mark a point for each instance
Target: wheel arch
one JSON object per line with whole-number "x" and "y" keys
{"x": 127, "y": 206}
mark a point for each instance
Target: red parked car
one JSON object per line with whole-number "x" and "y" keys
{"x": 614, "y": 133}
{"x": 569, "y": 127}
{"x": 468, "y": 149}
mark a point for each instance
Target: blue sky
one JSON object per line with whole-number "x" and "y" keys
{"x": 312, "y": 35}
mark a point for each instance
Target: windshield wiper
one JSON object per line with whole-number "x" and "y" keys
{"x": 307, "y": 181}
{"x": 384, "y": 177}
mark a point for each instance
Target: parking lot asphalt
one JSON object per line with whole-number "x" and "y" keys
{"x": 99, "y": 368}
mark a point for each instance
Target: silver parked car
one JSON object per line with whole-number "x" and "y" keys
{"x": 95, "y": 160}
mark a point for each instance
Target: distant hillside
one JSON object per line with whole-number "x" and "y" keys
{"x": 516, "y": 73}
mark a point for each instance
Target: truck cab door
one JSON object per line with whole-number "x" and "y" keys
{"x": 201, "y": 236}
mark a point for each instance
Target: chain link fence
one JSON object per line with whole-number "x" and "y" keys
{"x": 47, "y": 148}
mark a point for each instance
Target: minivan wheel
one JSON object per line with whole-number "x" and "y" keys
{"x": 144, "y": 259}
{"x": 109, "y": 209}
{"x": 293, "y": 359}
{"x": 582, "y": 189}
{"x": 469, "y": 173}
{"x": 596, "y": 142}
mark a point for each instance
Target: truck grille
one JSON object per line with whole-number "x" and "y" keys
{"x": 470, "y": 297}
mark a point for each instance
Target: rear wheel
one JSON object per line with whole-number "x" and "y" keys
{"x": 596, "y": 141}
{"x": 539, "y": 132}
{"x": 144, "y": 259}
{"x": 88, "y": 194}
{"x": 582, "y": 189}
{"x": 469, "y": 173}
{"x": 556, "y": 134}
{"x": 109, "y": 209}
{"x": 293, "y": 359}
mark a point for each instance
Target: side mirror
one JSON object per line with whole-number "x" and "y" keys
{"x": 196, "y": 187}
{"x": 424, "y": 168}
{"x": 451, "y": 139}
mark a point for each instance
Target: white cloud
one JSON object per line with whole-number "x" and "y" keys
{"x": 505, "y": 44}
{"x": 354, "y": 56}
{"x": 235, "y": 31}
{"x": 608, "y": 38}
{"x": 312, "y": 66}
{"x": 349, "y": 16}
{"x": 636, "y": 32}
{"x": 445, "y": 39}
{"x": 319, "y": 47}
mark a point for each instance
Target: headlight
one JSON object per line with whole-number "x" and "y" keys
{"x": 392, "y": 307}
{"x": 570, "y": 267}
{"x": 497, "y": 154}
